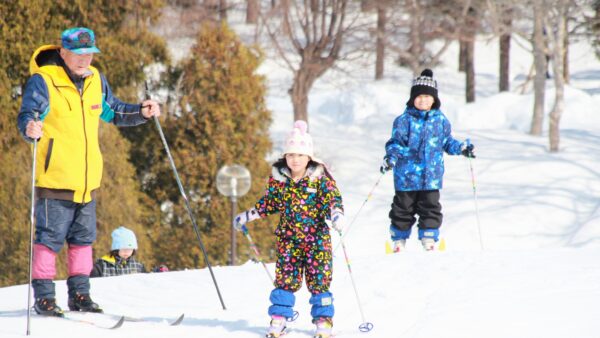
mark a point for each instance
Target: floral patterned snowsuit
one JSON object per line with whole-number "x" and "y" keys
{"x": 303, "y": 238}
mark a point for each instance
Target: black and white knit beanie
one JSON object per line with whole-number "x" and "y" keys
{"x": 424, "y": 85}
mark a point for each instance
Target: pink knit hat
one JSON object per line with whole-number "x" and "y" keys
{"x": 299, "y": 140}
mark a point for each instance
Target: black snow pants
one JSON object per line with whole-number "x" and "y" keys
{"x": 425, "y": 203}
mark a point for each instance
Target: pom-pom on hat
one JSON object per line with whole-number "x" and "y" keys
{"x": 123, "y": 238}
{"x": 424, "y": 85}
{"x": 299, "y": 140}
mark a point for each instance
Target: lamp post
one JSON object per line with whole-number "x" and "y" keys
{"x": 233, "y": 181}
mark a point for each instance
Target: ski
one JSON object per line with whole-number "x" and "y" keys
{"x": 439, "y": 246}
{"x": 177, "y": 321}
{"x": 170, "y": 322}
{"x": 70, "y": 317}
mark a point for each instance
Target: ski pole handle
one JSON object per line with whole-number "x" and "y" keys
{"x": 36, "y": 118}
{"x": 156, "y": 121}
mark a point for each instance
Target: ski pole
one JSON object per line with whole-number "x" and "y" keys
{"x": 365, "y": 326}
{"x": 256, "y": 252}
{"x": 359, "y": 210}
{"x": 36, "y": 117}
{"x": 187, "y": 203}
{"x": 475, "y": 198}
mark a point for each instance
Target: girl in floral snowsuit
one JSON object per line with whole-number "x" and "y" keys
{"x": 303, "y": 192}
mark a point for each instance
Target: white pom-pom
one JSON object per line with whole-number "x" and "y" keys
{"x": 301, "y": 125}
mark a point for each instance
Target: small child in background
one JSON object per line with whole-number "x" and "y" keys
{"x": 420, "y": 136}
{"x": 121, "y": 260}
{"x": 304, "y": 194}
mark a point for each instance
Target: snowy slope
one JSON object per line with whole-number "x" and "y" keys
{"x": 538, "y": 272}
{"x": 515, "y": 293}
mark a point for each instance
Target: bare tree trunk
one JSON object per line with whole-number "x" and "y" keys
{"x": 416, "y": 43}
{"x": 212, "y": 8}
{"x": 539, "y": 57}
{"x": 462, "y": 56}
{"x": 470, "y": 70}
{"x": 557, "y": 42}
{"x": 223, "y": 10}
{"x": 470, "y": 55}
{"x": 504, "y": 84}
{"x": 566, "y": 71}
{"x": 413, "y": 20}
{"x": 366, "y": 5}
{"x": 557, "y": 110}
{"x": 303, "y": 82}
{"x": 252, "y": 11}
{"x": 380, "y": 44}
{"x": 313, "y": 30}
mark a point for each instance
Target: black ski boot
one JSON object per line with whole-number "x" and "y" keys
{"x": 48, "y": 307}
{"x": 83, "y": 303}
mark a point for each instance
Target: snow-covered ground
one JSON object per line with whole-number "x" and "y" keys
{"x": 539, "y": 223}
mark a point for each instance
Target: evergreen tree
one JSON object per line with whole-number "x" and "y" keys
{"x": 222, "y": 120}
{"x": 120, "y": 200}
{"x": 19, "y": 34}
{"x": 15, "y": 194}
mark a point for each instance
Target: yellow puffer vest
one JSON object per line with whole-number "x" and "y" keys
{"x": 68, "y": 155}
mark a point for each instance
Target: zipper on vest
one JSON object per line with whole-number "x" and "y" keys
{"x": 86, "y": 146}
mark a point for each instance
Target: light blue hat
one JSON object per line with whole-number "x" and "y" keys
{"x": 123, "y": 238}
{"x": 79, "y": 40}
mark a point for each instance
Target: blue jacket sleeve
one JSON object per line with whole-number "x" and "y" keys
{"x": 117, "y": 112}
{"x": 397, "y": 146}
{"x": 35, "y": 99}
{"x": 451, "y": 145}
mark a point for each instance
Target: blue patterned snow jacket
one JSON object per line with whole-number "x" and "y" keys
{"x": 416, "y": 148}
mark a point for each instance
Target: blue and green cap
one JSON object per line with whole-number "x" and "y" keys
{"x": 79, "y": 40}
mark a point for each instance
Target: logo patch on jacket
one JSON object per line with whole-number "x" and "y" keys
{"x": 95, "y": 106}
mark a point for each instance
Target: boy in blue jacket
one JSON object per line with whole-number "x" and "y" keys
{"x": 420, "y": 136}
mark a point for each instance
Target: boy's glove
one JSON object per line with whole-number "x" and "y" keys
{"x": 160, "y": 268}
{"x": 337, "y": 220}
{"x": 245, "y": 217}
{"x": 468, "y": 151}
{"x": 387, "y": 164}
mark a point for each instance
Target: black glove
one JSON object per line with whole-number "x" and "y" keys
{"x": 387, "y": 165}
{"x": 468, "y": 151}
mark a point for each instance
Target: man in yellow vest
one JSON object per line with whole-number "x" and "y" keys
{"x": 71, "y": 97}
